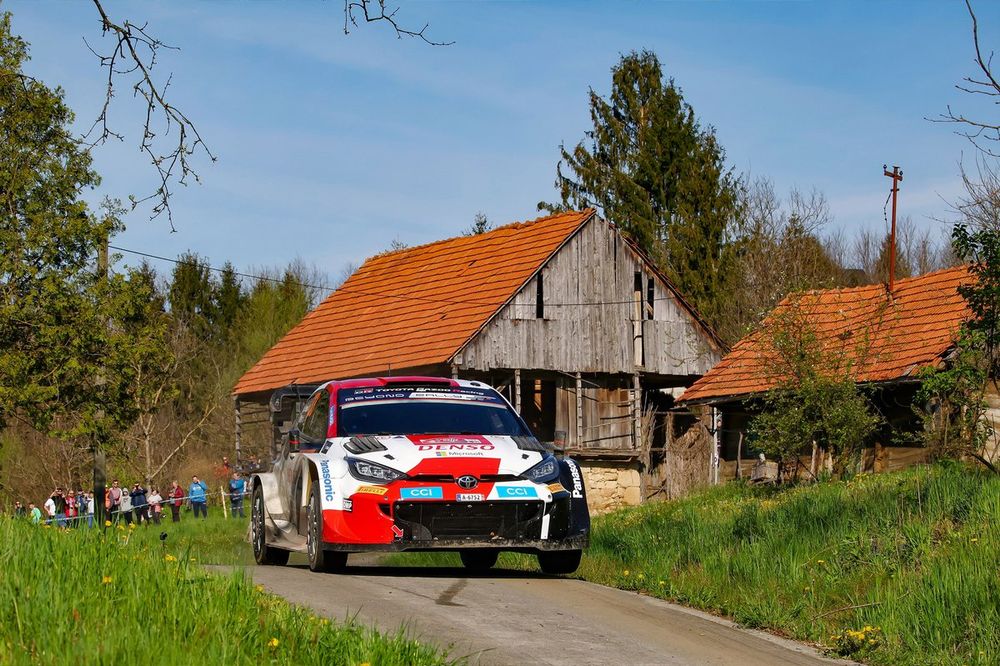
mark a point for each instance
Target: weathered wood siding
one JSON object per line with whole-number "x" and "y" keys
{"x": 592, "y": 321}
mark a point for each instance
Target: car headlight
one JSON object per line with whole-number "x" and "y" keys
{"x": 543, "y": 472}
{"x": 362, "y": 470}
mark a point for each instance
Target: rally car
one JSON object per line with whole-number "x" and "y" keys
{"x": 417, "y": 464}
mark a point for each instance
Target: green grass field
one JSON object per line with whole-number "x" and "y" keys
{"x": 900, "y": 568}
{"x": 120, "y": 596}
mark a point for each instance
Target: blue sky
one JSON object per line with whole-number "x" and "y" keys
{"x": 331, "y": 146}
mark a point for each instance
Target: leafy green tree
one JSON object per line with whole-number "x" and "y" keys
{"x": 815, "y": 401}
{"x": 650, "y": 167}
{"x": 64, "y": 329}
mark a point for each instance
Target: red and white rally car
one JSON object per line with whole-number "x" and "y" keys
{"x": 417, "y": 463}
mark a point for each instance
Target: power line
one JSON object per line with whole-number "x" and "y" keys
{"x": 355, "y": 290}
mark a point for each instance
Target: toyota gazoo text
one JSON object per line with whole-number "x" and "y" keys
{"x": 417, "y": 463}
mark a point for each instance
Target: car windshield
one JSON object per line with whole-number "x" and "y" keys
{"x": 425, "y": 411}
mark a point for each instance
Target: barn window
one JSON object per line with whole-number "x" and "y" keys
{"x": 539, "y": 298}
{"x": 650, "y": 298}
{"x": 637, "y": 294}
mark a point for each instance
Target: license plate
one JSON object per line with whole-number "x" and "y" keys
{"x": 470, "y": 497}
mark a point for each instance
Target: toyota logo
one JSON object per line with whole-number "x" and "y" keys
{"x": 467, "y": 482}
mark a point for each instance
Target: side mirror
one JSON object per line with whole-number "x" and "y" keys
{"x": 294, "y": 439}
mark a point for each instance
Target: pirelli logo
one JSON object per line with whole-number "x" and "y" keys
{"x": 556, "y": 488}
{"x": 373, "y": 490}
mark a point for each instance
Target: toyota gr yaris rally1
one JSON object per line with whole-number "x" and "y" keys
{"x": 417, "y": 463}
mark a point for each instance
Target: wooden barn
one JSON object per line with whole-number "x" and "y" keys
{"x": 887, "y": 338}
{"x": 589, "y": 341}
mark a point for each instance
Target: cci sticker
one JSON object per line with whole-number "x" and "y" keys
{"x": 516, "y": 492}
{"x": 373, "y": 490}
{"x": 422, "y": 492}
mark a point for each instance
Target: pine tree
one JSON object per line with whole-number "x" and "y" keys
{"x": 649, "y": 167}
{"x": 229, "y": 299}
{"x": 191, "y": 294}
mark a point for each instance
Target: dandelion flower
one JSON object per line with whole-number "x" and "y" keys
{"x": 107, "y": 523}
{"x": 974, "y": 540}
{"x": 663, "y": 582}
{"x": 641, "y": 576}
{"x": 273, "y": 643}
{"x": 106, "y": 580}
{"x": 170, "y": 558}
{"x": 820, "y": 561}
{"x": 259, "y": 588}
{"x": 625, "y": 572}
{"x": 131, "y": 526}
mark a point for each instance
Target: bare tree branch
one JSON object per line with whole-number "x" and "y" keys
{"x": 366, "y": 9}
{"x": 134, "y": 56}
{"x": 977, "y": 131}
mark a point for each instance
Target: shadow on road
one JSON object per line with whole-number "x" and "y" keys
{"x": 432, "y": 572}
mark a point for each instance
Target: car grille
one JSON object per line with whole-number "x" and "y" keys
{"x": 426, "y": 521}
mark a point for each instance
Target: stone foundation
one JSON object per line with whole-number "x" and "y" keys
{"x": 611, "y": 485}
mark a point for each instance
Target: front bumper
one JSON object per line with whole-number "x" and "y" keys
{"x": 577, "y": 542}
{"x": 377, "y": 524}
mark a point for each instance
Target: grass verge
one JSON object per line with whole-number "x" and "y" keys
{"x": 900, "y": 568}
{"x": 120, "y": 596}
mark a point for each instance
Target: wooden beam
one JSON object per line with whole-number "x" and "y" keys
{"x": 517, "y": 390}
{"x": 636, "y": 412}
{"x": 239, "y": 426}
{"x": 579, "y": 410}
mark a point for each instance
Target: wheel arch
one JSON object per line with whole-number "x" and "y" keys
{"x": 268, "y": 485}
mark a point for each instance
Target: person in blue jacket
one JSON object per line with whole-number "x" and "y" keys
{"x": 198, "y": 494}
{"x": 237, "y": 488}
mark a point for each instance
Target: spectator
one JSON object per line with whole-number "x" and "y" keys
{"x": 237, "y": 488}
{"x": 155, "y": 506}
{"x": 19, "y": 511}
{"x": 81, "y": 506}
{"x": 59, "y": 507}
{"x": 34, "y": 513}
{"x": 90, "y": 509}
{"x": 198, "y": 494}
{"x": 125, "y": 507}
{"x": 223, "y": 471}
{"x": 71, "y": 509}
{"x": 113, "y": 501}
{"x": 139, "y": 504}
{"x": 176, "y": 496}
{"x": 50, "y": 509}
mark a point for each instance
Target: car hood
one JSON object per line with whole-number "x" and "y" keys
{"x": 406, "y": 452}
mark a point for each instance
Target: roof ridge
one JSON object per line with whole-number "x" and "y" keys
{"x": 581, "y": 214}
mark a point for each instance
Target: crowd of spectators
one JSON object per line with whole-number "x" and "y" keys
{"x": 138, "y": 504}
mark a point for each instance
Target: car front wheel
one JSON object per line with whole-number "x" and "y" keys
{"x": 262, "y": 553}
{"x": 319, "y": 559}
{"x": 560, "y": 561}
{"x": 479, "y": 559}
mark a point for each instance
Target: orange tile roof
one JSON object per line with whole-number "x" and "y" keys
{"x": 411, "y": 308}
{"x": 880, "y": 340}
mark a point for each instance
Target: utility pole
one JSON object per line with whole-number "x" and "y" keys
{"x": 897, "y": 175}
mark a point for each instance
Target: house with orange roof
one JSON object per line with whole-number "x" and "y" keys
{"x": 588, "y": 340}
{"x": 882, "y": 339}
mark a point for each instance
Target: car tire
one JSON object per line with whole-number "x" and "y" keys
{"x": 479, "y": 559}
{"x": 262, "y": 553}
{"x": 560, "y": 561}
{"x": 320, "y": 559}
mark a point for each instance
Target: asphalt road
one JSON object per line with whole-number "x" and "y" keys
{"x": 513, "y": 617}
